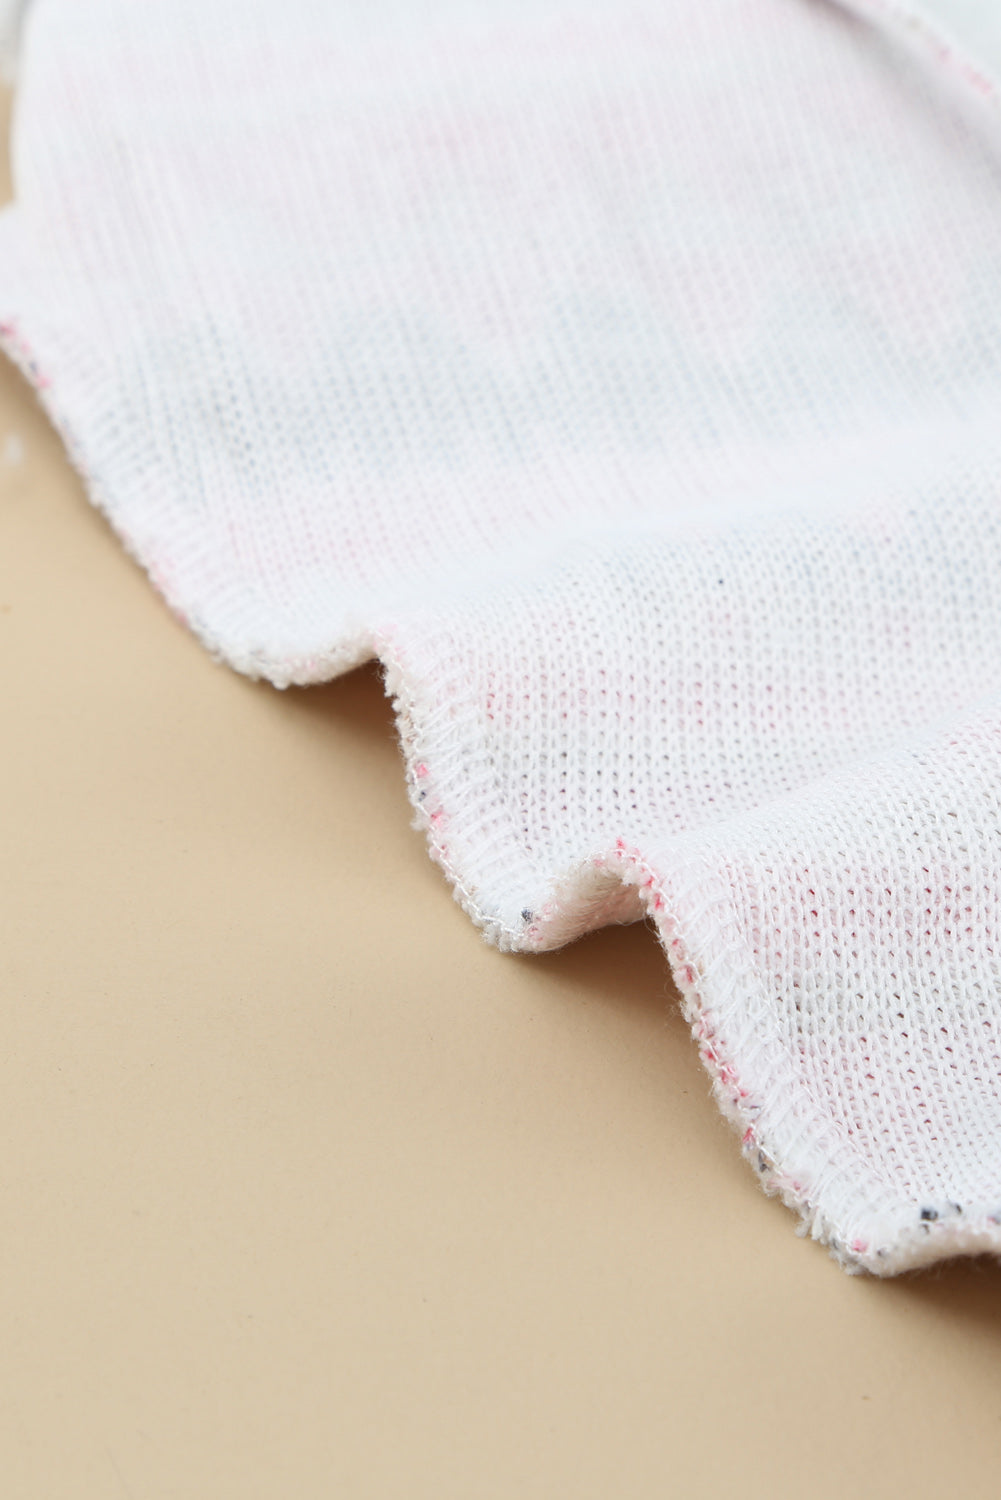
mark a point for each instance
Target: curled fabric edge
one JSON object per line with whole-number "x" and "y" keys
{"x": 915, "y": 24}
{"x": 756, "y": 1086}
{"x": 794, "y": 1153}
{"x": 933, "y": 39}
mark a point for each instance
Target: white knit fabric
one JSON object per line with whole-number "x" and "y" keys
{"x": 627, "y": 378}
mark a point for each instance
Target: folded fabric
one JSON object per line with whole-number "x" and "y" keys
{"x": 626, "y": 378}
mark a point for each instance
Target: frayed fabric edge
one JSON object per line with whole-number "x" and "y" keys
{"x": 795, "y": 1153}
{"x": 615, "y": 885}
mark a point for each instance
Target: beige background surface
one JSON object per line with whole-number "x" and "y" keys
{"x": 306, "y": 1192}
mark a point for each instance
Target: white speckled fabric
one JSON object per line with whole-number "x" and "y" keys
{"x": 627, "y": 378}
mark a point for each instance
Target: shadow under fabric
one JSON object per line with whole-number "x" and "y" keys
{"x": 626, "y": 379}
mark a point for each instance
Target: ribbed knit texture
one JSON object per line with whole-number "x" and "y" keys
{"x": 627, "y": 378}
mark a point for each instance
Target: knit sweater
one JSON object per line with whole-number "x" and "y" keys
{"x": 626, "y": 379}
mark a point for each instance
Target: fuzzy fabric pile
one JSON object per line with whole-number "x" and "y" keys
{"x": 627, "y": 378}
